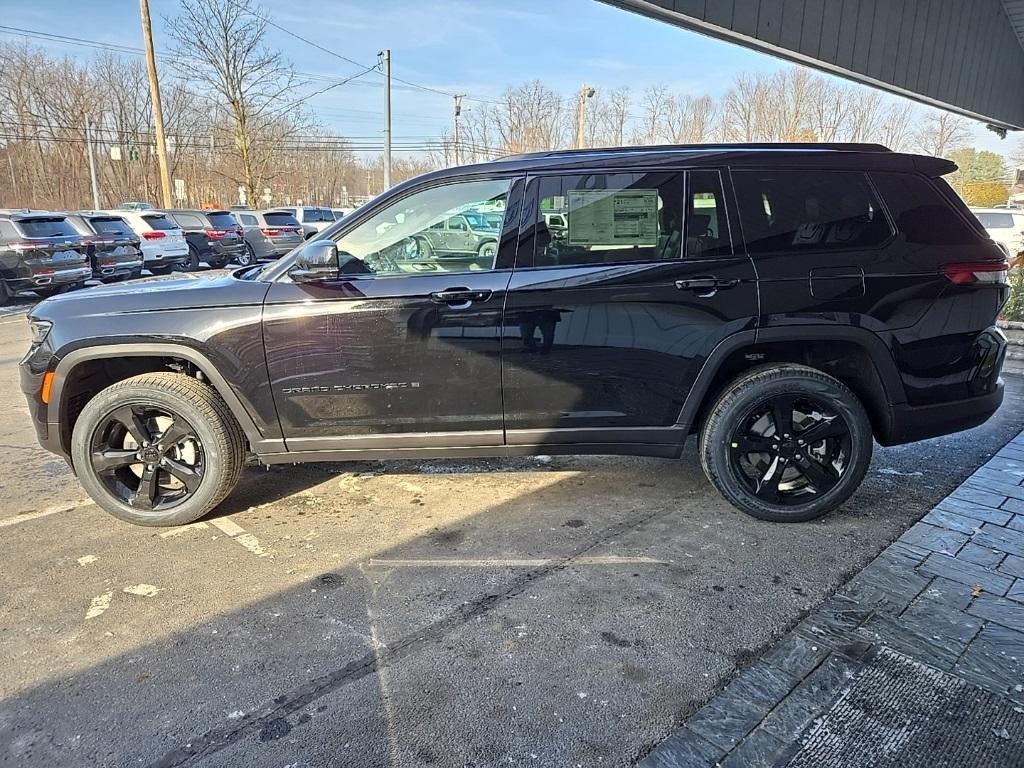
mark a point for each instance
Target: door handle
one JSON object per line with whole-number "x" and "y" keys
{"x": 459, "y": 296}
{"x": 705, "y": 287}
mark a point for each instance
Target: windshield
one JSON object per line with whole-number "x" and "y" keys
{"x": 111, "y": 225}
{"x": 222, "y": 220}
{"x": 996, "y": 220}
{"x": 159, "y": 221}
{"x": 280, "y": 219}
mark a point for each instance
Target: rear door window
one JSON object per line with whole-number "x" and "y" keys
{"x": 707, "y": 225}
{"x": 248, "y": 221}
{"x": 995, "y": 220}
{"x": 608, "y": 218}
{"x": 46, "y": 226}
{"x": 160, "y": 221}
{"x": 808, "y": 210}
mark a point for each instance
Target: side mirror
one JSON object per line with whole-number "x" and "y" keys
{"x": 317, "y": 261}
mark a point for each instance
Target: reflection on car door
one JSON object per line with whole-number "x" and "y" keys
{"x": 608, "y": 322}
{"x": 406, "y": 357}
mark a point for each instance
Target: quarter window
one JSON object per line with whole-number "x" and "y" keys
{"x": 808, "y": 211}
{"x": 707, "y": 228}
{"x": 608, "y": 218}
{"x": 409, "y": 236}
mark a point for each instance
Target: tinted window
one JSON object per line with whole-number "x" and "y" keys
{"x": 189, "y": 221}
{"x": 402, "y": 238}
{"x": 109, "y": 225}
{"x": 159, "y": 221}
{"x": 280, "y": 219}
{"x": 707, "y": 228}
{"x": 222, "y": 220}
{"x": 808, "y": 211}
{"x": 995, "y": 220}
{"x": 46, "y": 226}
{"x": 317, "y": 214}
{"x": 249, "y": 221}
{"x": 922, "y": 213}
{"x": 7, "y": 230}
{"x": 608, "y": 218}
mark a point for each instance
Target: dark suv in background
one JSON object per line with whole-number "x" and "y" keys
{"x": 40, "y": 251}
{"x": 213, "y": 236}
{"x": 113, "y": 247}
{"x": 787, "y": 304}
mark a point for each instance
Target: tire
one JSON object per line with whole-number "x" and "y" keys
{"x": 488, "y": 250}
{"x": 56, "y": 290}
{"x": 213, "y": 438}
{"x": 248, "y": 258}
{"x": 5, "y": 293}
{"x": 817, "y": 476}
{"x": 193, "y": 259}
{"x": 164, "y": 270}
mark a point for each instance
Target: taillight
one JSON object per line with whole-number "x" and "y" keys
{"x": 156, "y": 235}
{"x": 277, "y": 232}
{"x": 23, "y": 246}
{"x": 981, "y": 272}
{"x": 216, "y": 234}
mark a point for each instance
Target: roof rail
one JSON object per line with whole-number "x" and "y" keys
{"x": 829, "y": 146}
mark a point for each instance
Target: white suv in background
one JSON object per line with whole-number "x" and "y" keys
{"x": 163, "y": 242}
{"x": 1005, "y": 226}
{"x": 313, "y": 218}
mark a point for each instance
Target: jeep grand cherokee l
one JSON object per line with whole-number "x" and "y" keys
{"x": 785, "y": 304}
{"x": 40, "y": 251}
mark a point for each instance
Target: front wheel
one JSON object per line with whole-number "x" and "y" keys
{"x": 157, "y": 449}
{"x": 193, "y": 259}
{"x": 488, "y": 250}
{"x": 786, "y": 443}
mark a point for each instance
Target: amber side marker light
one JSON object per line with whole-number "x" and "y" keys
{"x": 44, "y": 393}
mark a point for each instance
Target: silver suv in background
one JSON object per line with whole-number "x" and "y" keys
{"x": 1006, "y": 227}
{"x": 312, "y": 218}
{"x": 268, "y": 234}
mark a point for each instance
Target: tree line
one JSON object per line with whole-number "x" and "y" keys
{"x": 237, "y": 116}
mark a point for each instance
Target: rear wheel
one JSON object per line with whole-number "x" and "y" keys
{"x": 248, "y": 257}
{"x": 488, "y": 250}
{"x": 54, "y": 290}
{"x": 158, "y": 449}
{"x": 164, "y": 270}
{"x": 193, "y": 258}
{"x": 786, "y": 443}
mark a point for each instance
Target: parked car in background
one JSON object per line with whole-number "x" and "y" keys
{"x": 313, "y": 219}
{"x": 135, "y": 206}
{"x": 163, "y": 243}
{"x": 268, "y": 234}
{"x": 40, "y": 251}
{"x": 340, "y": 213}
{"x": 1006, "y": 227}
{"x": 467, "y": 236}
{"x": 113, "y": 246}
{"x": 213, "y": 236}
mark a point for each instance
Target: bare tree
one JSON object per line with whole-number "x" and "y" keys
{"x": 220, "y": 46}
{"x": 940, "y": 133}
{"x": 609, "y": 117}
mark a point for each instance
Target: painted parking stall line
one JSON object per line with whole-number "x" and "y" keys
{"x": 239, "y": 534}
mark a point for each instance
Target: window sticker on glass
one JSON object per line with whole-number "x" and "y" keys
{"x": 622, "y": 217}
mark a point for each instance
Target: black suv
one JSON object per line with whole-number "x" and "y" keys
{"x": 113, "y": 247}
{"x": 785, "y": 303}
{"x": 40, "y": 251}
{"x": 213, "y": 236}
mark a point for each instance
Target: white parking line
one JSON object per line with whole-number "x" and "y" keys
{"x": 45, "y": 512}
{"x": 99, "y": 605}
{"x": 237, "y": 533}
{"x": 182, "y": 529}
{"x": 512, "y": 562}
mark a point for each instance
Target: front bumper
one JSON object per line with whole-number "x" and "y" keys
{"x": 31, "y": 374}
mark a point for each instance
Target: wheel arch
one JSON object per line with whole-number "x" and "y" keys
{"x": 855, "y": 356}
{"x": 69, "y": 393}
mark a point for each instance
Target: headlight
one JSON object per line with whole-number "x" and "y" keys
{"x": 39, "y": 330}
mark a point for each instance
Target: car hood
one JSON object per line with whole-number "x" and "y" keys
{"x": 173, "y": 292}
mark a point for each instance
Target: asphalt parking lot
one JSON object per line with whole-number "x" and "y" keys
{"x": 562, "y": 612}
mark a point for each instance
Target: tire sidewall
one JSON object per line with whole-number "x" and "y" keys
{"x": 717, "y": 451}
{"x": 215, "y": 464}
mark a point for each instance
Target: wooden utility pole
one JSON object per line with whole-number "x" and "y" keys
{"x": 456, "y": 113}
{"x": 92, "y": 165}
{"x": 158, "y": 113}
{"x": 386, "y": 57}
{"x": 581, "y": 115}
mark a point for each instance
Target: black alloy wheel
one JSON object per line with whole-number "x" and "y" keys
{"x": 149, "y": 458}
{"x": 786, "y": 443}
{"x": 789, "y": 448}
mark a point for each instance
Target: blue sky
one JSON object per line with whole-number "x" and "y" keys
{"x": 467, "y": 46}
